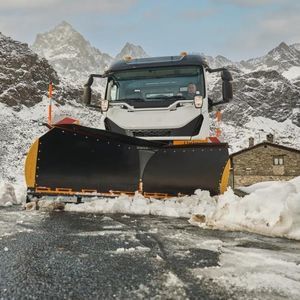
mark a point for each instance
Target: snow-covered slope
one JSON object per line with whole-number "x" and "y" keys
{"x": 20, "y": 128}
{"x": 285, "y": 133}
{"x": 296, "y": 46}
{"x": 260, "y": 94}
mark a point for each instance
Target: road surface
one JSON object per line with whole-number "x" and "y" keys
{"x": 60, "y": 255}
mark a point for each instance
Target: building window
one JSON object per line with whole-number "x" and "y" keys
{"x": 278, "y": 160}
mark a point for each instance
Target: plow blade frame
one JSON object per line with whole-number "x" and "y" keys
{"x": 77, "y": 160}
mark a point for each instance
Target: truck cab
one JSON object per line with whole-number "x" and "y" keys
{"x": 160, "y": 98}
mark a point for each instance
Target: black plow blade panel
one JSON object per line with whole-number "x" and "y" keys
{"x": 70, "y": 159}
{"x": 183, "y": 170}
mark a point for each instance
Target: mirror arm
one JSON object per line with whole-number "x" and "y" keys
{"x": 209, "y": 70}
{"x": 91, "y": 79}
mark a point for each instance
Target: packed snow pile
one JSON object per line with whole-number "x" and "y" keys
{"x": 7, "y": 194}
{"x": 270, "y": 208}
{"x": 181, "y": 207}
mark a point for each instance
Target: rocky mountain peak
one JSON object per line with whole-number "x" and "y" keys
{"x": 284, "y": 50}
{"x": 64, "y": 25}
{"x": 281, "y": 58}
{"x": 63, "y": 38}
{"x": 282, "y": 45}
{"x": 70, "y": 53}
{"x": 219, "y": 61}
{"x": 132, "y": 50}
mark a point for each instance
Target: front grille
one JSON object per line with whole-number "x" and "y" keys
{"x": 151, "y": 132}
{"x": 190, "y": 129}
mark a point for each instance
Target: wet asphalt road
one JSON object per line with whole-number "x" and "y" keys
{"x": 61, "y": 255}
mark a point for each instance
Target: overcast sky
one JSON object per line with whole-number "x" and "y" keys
{"x": 237, "y": 29}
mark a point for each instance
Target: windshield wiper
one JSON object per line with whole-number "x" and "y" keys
{"x": 176, "y": 97}
{"x": 131, "y": 99}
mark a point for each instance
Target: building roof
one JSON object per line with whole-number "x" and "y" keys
{"x": 152, "y": 62}
{"x": 265, "y": 144}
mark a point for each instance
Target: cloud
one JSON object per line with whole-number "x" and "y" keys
{"x": 21, "y": 4}
{"x": 111, "y": 6}
{"x": 253, "y": 3}
{"x": 23, "y": 19}
{"x": 259, "y": 34}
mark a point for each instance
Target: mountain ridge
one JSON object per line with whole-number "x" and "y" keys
{"x": 264, "y": 89}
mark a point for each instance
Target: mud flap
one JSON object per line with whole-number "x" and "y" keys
{"x": 78, "y": 159}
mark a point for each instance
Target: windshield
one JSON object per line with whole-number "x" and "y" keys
{"x": 160, "y": 86}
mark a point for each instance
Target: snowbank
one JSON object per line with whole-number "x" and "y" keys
{"x": 181, "y": 207}
{"x": 7, "y": 194}
{"x": 271, "y": 208}
{"x": 11, "y": 194}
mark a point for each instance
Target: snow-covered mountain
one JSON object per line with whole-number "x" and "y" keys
{"x": 131, "y": 50}
{"x": 281, "y": 59}
{"x": 218, "y": 62}
{"x": 70, "y": 54}
{"x": 73, "y": 57}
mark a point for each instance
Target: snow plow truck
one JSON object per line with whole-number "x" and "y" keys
{"x": 154, "y": 135}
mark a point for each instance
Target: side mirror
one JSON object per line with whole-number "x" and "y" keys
{"x": 87, "y": 95}
{"x": 87, "y": 90}
{"x": 227, "y": 91}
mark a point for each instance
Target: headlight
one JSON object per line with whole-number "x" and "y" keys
{"x": 104, "y": 105}
{"x": 198, "y": 101}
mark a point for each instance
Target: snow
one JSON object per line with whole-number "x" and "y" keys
{"x": 260, "y": 271}
{"x": 285, "y": 133}
{"x": 179, "y": 207}
{"x": 292, "y": 73}
{"x": 271, "y": 208}
{"x": 132, "y": 249}
{"x": 19, "y": 129}
{"x": 7, "y": 194}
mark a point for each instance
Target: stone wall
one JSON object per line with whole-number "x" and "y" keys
{"x": 256, "y": 165}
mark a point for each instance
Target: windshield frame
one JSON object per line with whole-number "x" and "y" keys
{"x": 112, "y": 78}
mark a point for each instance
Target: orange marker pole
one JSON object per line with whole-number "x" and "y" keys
{"x": 50, "y": 91}
{"x": 219, "y": 118}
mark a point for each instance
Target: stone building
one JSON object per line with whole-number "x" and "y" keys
{"x": 265, "y": 161}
